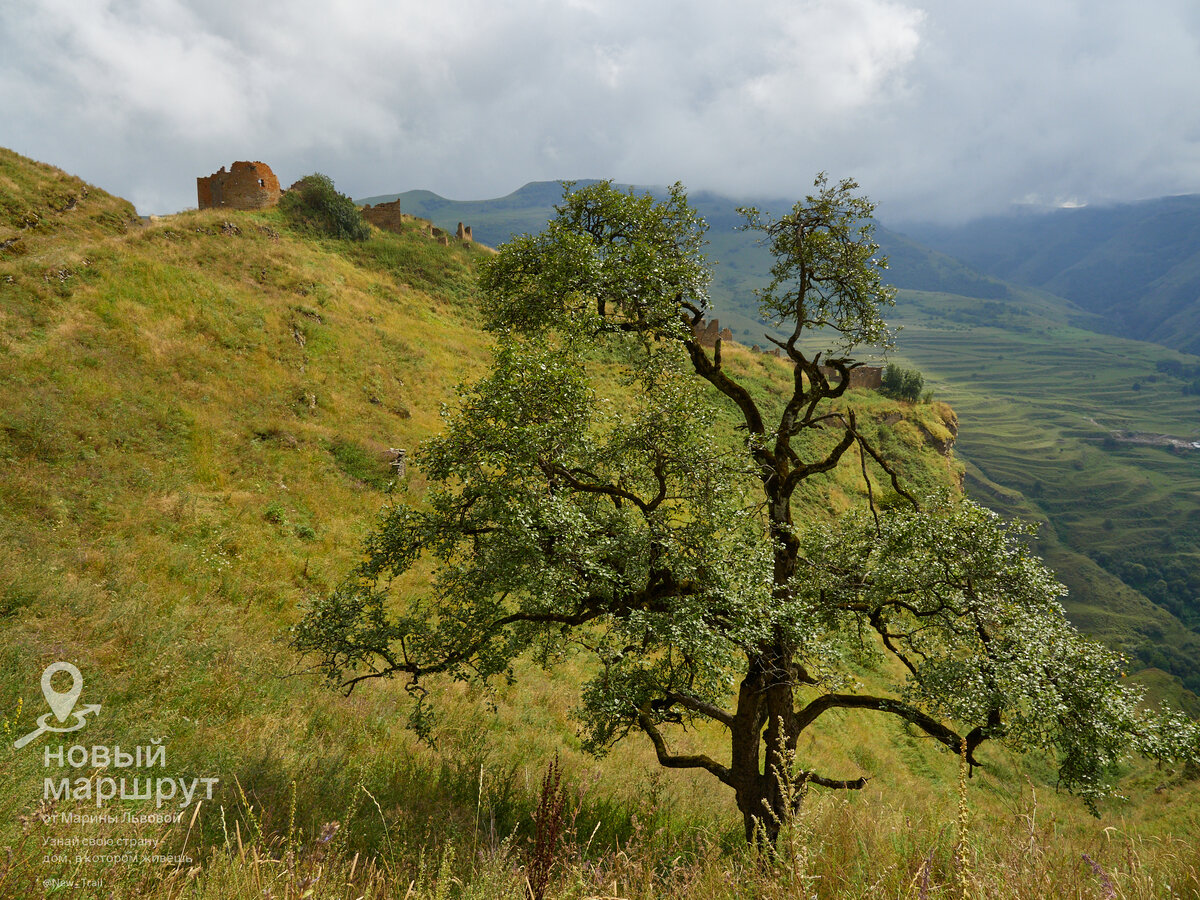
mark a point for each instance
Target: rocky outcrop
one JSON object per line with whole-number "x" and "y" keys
{"x": 942, "y": 441}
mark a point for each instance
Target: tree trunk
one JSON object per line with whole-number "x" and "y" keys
{"x": 759, "y": 762}
{"x": 766, "y": 697}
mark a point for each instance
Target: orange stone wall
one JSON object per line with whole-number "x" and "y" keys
{"x": 247, "y": 185}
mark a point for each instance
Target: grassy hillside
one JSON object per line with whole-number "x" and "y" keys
{"x": 194, "y": 426}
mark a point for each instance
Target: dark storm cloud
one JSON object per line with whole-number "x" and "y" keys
{"x": 939, "y": 108}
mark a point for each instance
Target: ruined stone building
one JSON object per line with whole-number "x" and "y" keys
{"x": 870, "y": 377}
{"x": 706, "y": 334}
{"x": 247, "y": 185}
{"x": 385, "y": 215}
{"x": 388, "y": 217}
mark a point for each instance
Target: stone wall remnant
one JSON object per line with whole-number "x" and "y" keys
{"x": 706, "y": 333}
{"x": 396, "y": 461}
{"x": 247, "y": 185}
{"x": 870, "y": 377}
{"x": 385, "y": 215}
{"x": 464, "y": 233}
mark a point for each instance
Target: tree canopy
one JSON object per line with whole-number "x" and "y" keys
{"x": 612, "y": 485}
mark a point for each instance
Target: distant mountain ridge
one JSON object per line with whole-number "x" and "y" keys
{"x": 527, "y": 209}
{"x": 1132, "y": 270}
{"x": 1136, "y": 265}
{"x": 912, "y": 264}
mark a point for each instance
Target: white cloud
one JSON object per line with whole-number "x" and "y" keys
{"x": 939, "y": 109}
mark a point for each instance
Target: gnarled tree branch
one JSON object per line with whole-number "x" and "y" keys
{"x": 673, "y": 761}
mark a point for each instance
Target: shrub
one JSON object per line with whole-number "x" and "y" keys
{"x": 902, "y": 384}
{"x": 314, "y": 204}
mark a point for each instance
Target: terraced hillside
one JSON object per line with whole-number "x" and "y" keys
{"x": 1109, "y": 505}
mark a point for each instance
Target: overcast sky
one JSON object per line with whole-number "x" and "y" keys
{"x": 940, "y": 108}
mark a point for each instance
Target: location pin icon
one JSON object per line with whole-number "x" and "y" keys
{"x": 61, "y": 703}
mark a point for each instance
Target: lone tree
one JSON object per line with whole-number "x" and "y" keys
{"x": 613, "y": 485}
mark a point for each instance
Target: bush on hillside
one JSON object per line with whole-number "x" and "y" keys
{"x": 315, "y": 205}
{"x": 902, "y": 384}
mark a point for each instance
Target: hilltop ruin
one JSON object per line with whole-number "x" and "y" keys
{"x": 247, "y": 185}
{"x": 385, "y": 215}
{"x": 706, "y": 333}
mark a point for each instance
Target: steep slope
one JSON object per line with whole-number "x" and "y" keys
{"x": 194, "y": 422}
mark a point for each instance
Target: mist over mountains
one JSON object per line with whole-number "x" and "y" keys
{"x": 1137, "y": 265}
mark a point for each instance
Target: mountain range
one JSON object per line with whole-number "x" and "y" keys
{"x": 1137, "y": 266}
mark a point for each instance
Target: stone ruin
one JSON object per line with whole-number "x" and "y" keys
{"x": 396, "y": 461}
{"x": 869, "y": 377}
{"x": 247, "y": 185}
{"x": 389, "y": 217}
{"x": 252, "y": 185}
{"x": 385, "y": 215}
{"x": 706, "y": 334}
